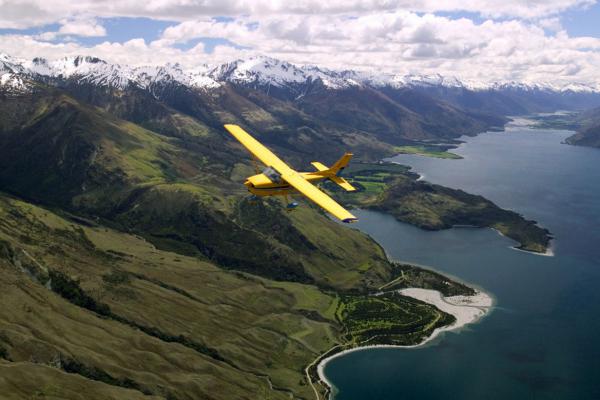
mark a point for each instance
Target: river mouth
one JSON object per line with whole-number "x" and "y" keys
{"x": 541, "y": 338}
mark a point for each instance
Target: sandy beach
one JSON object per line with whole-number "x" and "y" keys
{"x": 466, "y": 310}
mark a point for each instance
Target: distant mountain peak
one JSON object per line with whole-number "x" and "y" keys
{"x": 93, "y": 70}
{"x": 261, "y": 71}
{"x": 12, "y": 76}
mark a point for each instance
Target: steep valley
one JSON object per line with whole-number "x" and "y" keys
{"x": 134, "y": 265}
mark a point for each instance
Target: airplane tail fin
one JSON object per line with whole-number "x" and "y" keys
{"x": 331, "y": 173}
{"x": 341, "y": 163}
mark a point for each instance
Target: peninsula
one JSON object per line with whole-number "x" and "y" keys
{"x": 394, "y": 189}
{"x": 409, "y": 311}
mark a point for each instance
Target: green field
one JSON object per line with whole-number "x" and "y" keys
{"x": 428, "y": 151}
{"x": 412, "y": 276}
{"x": 389, "y": 319}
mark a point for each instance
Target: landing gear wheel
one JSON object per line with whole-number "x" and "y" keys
{"x": 291, "y": 205}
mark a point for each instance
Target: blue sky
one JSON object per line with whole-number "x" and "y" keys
{"x": 577, "y": 22}
{"x": 580, "y": 22}
{"x": 122, "y": 29}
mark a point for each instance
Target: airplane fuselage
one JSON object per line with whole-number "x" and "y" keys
{"x": 262, "y": 185}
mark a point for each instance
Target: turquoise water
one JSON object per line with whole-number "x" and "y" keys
{"x": 542, "y": 341}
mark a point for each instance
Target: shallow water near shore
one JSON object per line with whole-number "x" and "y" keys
{"x": 542, "y": 340}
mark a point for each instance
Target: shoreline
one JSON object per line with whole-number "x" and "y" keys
{"x": 548, "y": 253}
{"x": 466, "y": 309}
{"x": 549, "y": 249}
{"x": 421, "y": 177}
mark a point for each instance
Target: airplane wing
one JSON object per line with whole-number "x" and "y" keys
{"x": 316, "y": 195}
{"x": 257, "y": 149}
{"x": 289, "y": 175}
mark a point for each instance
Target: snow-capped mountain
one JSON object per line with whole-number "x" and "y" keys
{"x": 255, "y": 71}
{"x": 12, "y": 74}
{"x": 98, "y": 72}
{"x": 289, "y": 82}
{"x": 90, "y": 69}
{"x": 270, "y": 71}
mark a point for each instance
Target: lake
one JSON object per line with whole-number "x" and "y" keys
{"x": 542, "y": 340}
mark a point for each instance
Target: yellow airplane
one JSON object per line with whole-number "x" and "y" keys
{"x": 279, "y": 179}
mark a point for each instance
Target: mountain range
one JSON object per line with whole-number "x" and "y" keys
{"x": 260, "y": 70}
{"x": 132, "y": 263}
{"x": 283, "y": 78}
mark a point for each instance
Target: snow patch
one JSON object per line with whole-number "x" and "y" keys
{"x": 263, "y": 71}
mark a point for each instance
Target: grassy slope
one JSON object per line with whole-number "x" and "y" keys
{"x": 156, "y": 256}
{"x": 429, "y": 151}
{"x": 155, "y": 185}
{"x": 280, "y": 124}
{"x": 53, "y": 384}
{"x": 365, "y": 121}
{"x": 133, "y": 319}
{"x": 249, "y": 321}
{"x": 391, "y": 188}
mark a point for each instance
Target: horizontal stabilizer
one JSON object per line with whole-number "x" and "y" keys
{"x": 320, "y": 167}
{"x": 343, "y": 183}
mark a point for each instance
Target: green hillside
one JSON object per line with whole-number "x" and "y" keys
{"x": 89, "y": 308}
{"x": 134, "y": 265}
{"x": 149, "y": 273}
{"x": 86, "y": 161}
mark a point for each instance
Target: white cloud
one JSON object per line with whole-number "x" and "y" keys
{"x": 78, "y": 27}
{"x": 377, "y": 36}
{"x": 81, "y": 27}
{"x": 552, "y": 24}
{"x": 406, "y": 42}
{"x": 27, "y": 13}
{"x": 47, "y": 36}
{"x": 135, "y": 52}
